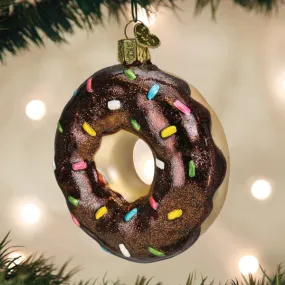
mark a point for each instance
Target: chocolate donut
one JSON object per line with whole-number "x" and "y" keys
{"x": 158, "y": 108}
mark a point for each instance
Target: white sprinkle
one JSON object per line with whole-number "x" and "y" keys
{"x": 114, "y": 104}
{"x": 53, "y": 165}
{"x": 159, "y": 163}
{"x": 124, "y": 251}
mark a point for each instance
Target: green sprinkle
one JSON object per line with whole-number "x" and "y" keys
{"x": 135, "y": 125}
{"x": 155, "y": 252}
{"x": 59, "y": 127}
{"x": 73, "y": 201}
{"x": 130, "y": 74}
{"x": 192, "y": 169}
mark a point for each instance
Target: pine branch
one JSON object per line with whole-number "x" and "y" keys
{"x": 25, "y": 23}
{"x": 41, "y": 271}
{"x": 32, "y": 271}
{"x": 260, "y": 6}
{"x": 5, "y": 3}
{"x": 52, "y": 19}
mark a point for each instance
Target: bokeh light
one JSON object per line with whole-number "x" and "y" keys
{"x": 17, "y": 258}
{"x": 36, "y": 110}
{"x": 30, "y": 213}
{"x": 261, "y": 189}
{"x": 248, "y": 264}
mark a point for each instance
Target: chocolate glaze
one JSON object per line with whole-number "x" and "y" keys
{"x": 172, "y": 187}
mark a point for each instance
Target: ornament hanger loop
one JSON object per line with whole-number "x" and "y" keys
{"x": 128, "y": 25}
{"x": 134, "y": 4}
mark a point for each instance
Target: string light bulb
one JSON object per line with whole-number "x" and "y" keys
{"x": 248, "y": 264}
{"x": 36, "y": 110}
{"x": 17, "y": 258}
{"x": 31, "y": 213}
{"x": 261, "y": 189}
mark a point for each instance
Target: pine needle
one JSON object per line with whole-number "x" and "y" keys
{"x": 23, "y": 23}
{"x": 38, "y": 270}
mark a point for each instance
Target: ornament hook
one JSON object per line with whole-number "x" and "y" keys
{"x": 134, "y": 5}
{"x": 132, "y": 21}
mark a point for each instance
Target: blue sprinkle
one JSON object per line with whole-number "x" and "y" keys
{"x": 153, "y": 91}
{"x": 131, "y": 214}
{"x": 105, "y": 249}
{"x": 75, "y": 92}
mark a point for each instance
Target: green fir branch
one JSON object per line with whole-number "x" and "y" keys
{"x": 27, "y": 22}
{"x": 41, "y": 271}
{"x": 260, "y": 6}
{"x": 5, "y": 3}
{"x": 52, "y": 19}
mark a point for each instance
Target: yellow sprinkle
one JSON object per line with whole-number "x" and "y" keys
{"x": 101, "y": 212}
{"x": 174, "y": 214}
{"x": 169, "y": 131}
{"x": 89, "y": 130}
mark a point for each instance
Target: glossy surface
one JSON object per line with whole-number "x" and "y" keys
{"x": 178, "y": 138}
{"x": 237, "y": 63}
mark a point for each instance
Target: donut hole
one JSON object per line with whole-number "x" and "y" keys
{"x": 127, "y": 163}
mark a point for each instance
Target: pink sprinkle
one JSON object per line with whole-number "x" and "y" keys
{"x": 75, "y": 221}
{"x": 79, "y": 165}
{"x": 153, "y": 203}
{"x": 183, "y": 108}
{"x": 89, "y": 85}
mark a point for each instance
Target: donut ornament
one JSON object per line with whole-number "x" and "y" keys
{"x": 93, "y": 164}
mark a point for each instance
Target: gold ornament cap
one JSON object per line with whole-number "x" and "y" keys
{"x": 129, "y": 52}
{"x": 135, "y": 50}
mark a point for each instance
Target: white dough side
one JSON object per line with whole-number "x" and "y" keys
{"x": 219, "y": 138}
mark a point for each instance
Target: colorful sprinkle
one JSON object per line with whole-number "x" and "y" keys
{"x": 192, "y": 169}
{"x": 131, "y": 214}
{"x": 101, "y": 212}
{"x": 59, "y": 127}
{"x": 155, "y": 252}
{"x": 159, "y": 163}
{"x": 79, "y": 165}
{"x": 75, "y": 92}
{"x": 135, "y": 125}
{"x": 130, "y": 74}
{"x": 169, "y": 131}
{"x": 73, "y": 201}
{"x": 114, "y": 105}
{"x": 124, "y": 250}
{"x": 175, "y": 214}
{"x": 89, "y": 130}
{"x": 153, "y": 203}
{"x": 53, "y": 164}
{"x": 75, "y": 221}
{"x": 153, "y": 91}
{"x": 89, "y": 85}
{"x": 183, "y": 108}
